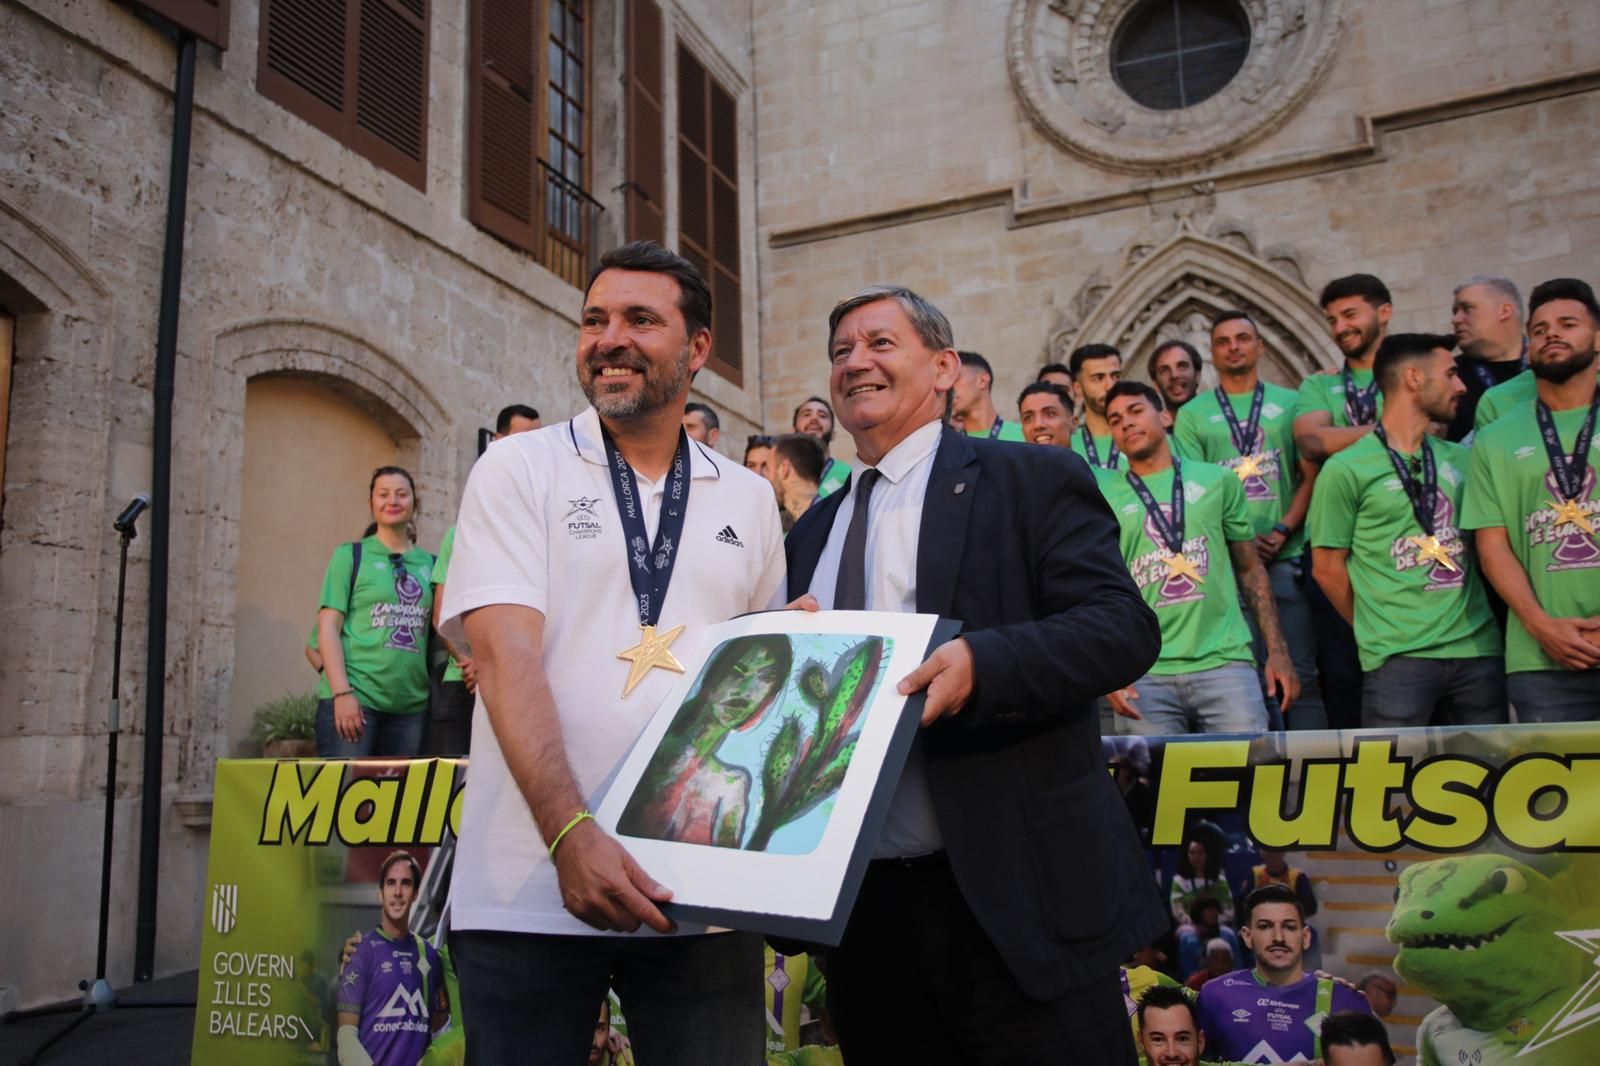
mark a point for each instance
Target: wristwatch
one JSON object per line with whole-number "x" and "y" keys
{"x": 1281, "y": 529}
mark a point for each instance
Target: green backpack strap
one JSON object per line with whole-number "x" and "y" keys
{"x": 1324, "y": 1008}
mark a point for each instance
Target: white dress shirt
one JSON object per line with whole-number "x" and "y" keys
{"x": 894, "y": 523}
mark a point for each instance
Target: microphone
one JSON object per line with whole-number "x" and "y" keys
{"x": 130, "y": 514}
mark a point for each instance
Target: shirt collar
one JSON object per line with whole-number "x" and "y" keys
{"x": 904, "y": 457}
{"x": 583, "y": 433}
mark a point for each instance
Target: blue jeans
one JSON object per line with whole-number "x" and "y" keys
{"x": 530, "y": 998}
{"x": 1289, "y": 577}
{"x": 1556, "y": 695}
{"x": 1225, "y": 700}
{"x": 382, "y": 734}
{"x": 1407, "y": 691}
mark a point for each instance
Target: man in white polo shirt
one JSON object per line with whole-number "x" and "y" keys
{"x": 590, "y": 559}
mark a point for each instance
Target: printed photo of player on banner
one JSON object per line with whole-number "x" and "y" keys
{"x": 1442, "y": 881}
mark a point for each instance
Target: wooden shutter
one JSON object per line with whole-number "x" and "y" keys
{"x": 708, "y": 203}
{"x": 355, "y": 69}
{"x": 206, "y": 19}
{"x": 501, "y": 121}
{"x": 646, "y": 198}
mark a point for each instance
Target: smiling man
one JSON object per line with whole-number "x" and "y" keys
{"x": 1271, "y": 1013}
{"x": 578, "y": 635}
{"x": 975, "y": 937}
{"x": 814, "y": 418}
{"x": 1046, "y": 412}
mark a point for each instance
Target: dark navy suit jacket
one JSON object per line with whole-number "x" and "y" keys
{"x": 1018, "y": 544}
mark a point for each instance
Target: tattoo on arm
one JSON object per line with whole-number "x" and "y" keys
{"x": 1257, "y": 589}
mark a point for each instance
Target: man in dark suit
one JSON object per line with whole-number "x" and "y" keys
{"x": 1007, "y": 884}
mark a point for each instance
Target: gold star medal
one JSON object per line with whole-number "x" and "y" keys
{"x": 653, "y": 652}
{"x": 1180, "y": 565}
{"x": 1249, "y": 467}
{"x": 1429, "y": 548}
{"x": 1571, "y": 511}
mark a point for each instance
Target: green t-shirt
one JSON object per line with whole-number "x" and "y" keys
{"x": 1511, "y": 486}
{"x": 1519, "y": 391}
{"x": 1008, "y": 431}
{"x": 834, "y": 475}
{"x": 1103, "y": 447}
{"x": 1405, "y": 603}
{"x": 1202, "y": 625}
{"x": 1325, "y": 392}
{"x": 1202, "y": 433}
{"x": 452, "y": 672}
{"x": 385, "y": 632}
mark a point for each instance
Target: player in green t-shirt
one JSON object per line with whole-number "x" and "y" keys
{"x": 1185, "y": 530}
{"x": 1175, "y": 367}
{"x": 1095, "y": 369}
{"x": 373, "y": 633}
{"x": 1532, "y": 498}
{"x": 972, "y": 409}
{"x": 1247, "y": 425}
{"x": 815, "y": 417}
{"x": 1388, "y": 552}
{"x": 1511, "y": 395}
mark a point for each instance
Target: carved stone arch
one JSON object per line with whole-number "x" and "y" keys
{"x": 41, "y": 273}
{"x": 1173, "y": 291}
{"x": 379, "y": 383}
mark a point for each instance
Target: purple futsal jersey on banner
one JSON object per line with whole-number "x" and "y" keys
{"x": 1247, "y": 1020}
{"x": 395, "y": 989}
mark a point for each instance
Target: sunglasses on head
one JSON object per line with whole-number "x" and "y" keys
{"x": 758, "y": 440}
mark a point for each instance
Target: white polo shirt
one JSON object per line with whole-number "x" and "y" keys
{"x": 539, "y": 527}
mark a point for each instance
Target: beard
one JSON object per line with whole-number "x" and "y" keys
{"x": 661, "y": 385}
{"x": 1363, "y": 343}
{"x": 1560, "y": 369}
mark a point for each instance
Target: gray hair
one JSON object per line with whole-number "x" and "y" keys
{"x": 932, "y": 327}
{"x": 1504, "y": 287}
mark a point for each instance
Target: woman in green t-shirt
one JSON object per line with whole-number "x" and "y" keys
{"x": 372, "y": 630}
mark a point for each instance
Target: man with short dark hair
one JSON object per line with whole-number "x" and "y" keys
{"x": 575, "y": 645}
{"x": 1262, "y": 1014}
{"x": 758, "y": 454}
{"x": 1486, "y": 315}
{"x": 1334, "y": 411}
{"x": 1175, "y": 368}
{"x": 517, "y": 418}
{"x": 973, "y": 408}
{"x": 943, "y": 959}
{"x": 1532, "y": 497}
{"x": 1046, "y": 413}
{"x": 1247, "y": 425}
{"x": 1188, "y": 542}
{"x": 814, "y": 416}
{"x": 1055, "y": 374}
{"x": 1169, "y": 1033}
{"x": 1355, "y": 1038}
{"x": 795, "y": 470}
{"x": 1394, "y": 563}
{"x": 700, "y": 421}
{"x": 391, "y": 997}
{"x": 1095, "y": 369}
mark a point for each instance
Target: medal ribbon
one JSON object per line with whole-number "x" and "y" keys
{"x": 1360, "y": 405}
{"x": 1093, "y": 453}
{"x": 1423, "y": 496}
{"x": 1244, "y": 436}
{"x": 1171, "y": 531}
{"x": 1569, "y": 472}
{"x": 650, "y": 565}
{"x": 994, "y": 430}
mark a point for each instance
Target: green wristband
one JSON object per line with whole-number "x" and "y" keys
{"x": 581, "y": 816}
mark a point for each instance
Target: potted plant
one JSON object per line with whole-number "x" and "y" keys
{"x": 286, "y": 727}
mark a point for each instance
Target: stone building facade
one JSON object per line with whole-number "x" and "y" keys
{"x": 336, "y": 315}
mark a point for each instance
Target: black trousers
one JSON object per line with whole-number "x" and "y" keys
{"x": 916, "y": 980}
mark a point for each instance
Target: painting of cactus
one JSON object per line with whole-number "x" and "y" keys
{"x": 759, "y": 748}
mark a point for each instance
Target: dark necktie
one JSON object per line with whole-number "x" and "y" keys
{"x": 850, "y": 591}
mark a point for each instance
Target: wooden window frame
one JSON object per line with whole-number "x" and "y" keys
{"x": 342, "y": 123}
{"x": 645, "y": 120}
{"x": 206, "y": 19}
{"x": 537, "y": 235}
{"x": 726, "y": 341}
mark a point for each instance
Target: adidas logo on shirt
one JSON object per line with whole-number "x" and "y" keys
{"x": 728, "y": 536}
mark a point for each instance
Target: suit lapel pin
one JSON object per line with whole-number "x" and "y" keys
{"x": 961, "y": 486}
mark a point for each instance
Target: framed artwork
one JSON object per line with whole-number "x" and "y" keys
{"x": 758, "y": 789}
